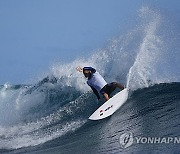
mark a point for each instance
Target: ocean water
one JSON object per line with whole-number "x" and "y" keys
{"x": 51, "y": 115}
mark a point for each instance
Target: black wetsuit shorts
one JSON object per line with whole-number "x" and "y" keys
{"x": 109, "y": 88}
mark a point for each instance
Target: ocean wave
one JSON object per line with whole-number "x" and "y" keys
{"x": 62, "y": 102}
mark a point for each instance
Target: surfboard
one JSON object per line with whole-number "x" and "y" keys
{"x": 111, "y": 106}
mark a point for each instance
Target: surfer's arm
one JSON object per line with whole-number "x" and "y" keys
{"x": 106, "y": 96}
{"x": 95, "y": 92}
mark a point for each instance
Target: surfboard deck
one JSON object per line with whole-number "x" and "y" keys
{"x": 109, "y": 107}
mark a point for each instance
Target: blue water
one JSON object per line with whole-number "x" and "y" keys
{"x": 51, "y": 115}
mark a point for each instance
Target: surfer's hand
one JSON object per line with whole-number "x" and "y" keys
{"x": 79, "y": 69}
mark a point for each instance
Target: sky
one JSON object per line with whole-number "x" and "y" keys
{"x": 36, "y": 33}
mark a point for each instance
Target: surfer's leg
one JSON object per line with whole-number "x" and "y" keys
{"x": 109, "y": 88}
{"x": 106, "y": 96}
{"x": 118, "y": 85}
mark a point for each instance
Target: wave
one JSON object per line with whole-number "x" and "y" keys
{"x": 37, "y": 117}
{"x": 61, "y": 102}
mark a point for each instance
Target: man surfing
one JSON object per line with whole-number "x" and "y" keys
{"x": 97, "y": 82}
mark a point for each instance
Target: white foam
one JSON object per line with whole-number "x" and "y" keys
{"x": 12, "y": 140}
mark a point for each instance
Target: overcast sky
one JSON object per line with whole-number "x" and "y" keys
{"x": 36, "y": 33}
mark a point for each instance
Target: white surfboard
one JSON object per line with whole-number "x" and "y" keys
{"x": 109, "y": 107}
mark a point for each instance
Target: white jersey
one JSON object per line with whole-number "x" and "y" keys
{"x": 96, "y": 81}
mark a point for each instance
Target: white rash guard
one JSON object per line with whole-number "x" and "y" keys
{"x": 96, "y": 81}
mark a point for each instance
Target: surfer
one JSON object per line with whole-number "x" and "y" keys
{"x": 97, "y": 82}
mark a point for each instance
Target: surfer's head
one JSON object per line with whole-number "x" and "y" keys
{"x": 87, "y": 73}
